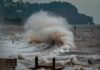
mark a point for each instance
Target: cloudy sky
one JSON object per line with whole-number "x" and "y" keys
{"x": 89, "y": 7}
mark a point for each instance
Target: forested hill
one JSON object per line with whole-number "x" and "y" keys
{"x": 17, "y": 12}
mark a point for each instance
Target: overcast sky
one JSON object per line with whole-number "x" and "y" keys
{"x": 88, "y": 7}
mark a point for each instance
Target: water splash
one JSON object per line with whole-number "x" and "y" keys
{"x": 44, "y": 27}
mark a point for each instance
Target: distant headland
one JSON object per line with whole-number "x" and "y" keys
{"x": 17, "y": 12}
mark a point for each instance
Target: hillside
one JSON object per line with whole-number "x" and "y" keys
{"x": 18, "y": 12}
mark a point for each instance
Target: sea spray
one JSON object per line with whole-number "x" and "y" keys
{"x": 44, "y": 26}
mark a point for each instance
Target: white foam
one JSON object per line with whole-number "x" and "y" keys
{"x": 43, "y": 25}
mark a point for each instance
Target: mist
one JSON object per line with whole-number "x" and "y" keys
{"x": 44, "y": 25}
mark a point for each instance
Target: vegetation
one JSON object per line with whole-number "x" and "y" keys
{"x": 20, "y": 11}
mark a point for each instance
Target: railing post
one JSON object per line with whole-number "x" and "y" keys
{"x": 53, "y": 64}
{"x": 75, "y": 31}
{"x": 36, "y": 62}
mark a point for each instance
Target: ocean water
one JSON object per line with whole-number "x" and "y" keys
{"x": 21, "y": 49}
{"x": 28, "y": 52}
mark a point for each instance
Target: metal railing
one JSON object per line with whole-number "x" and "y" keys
{"x": 52, "y": 67}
